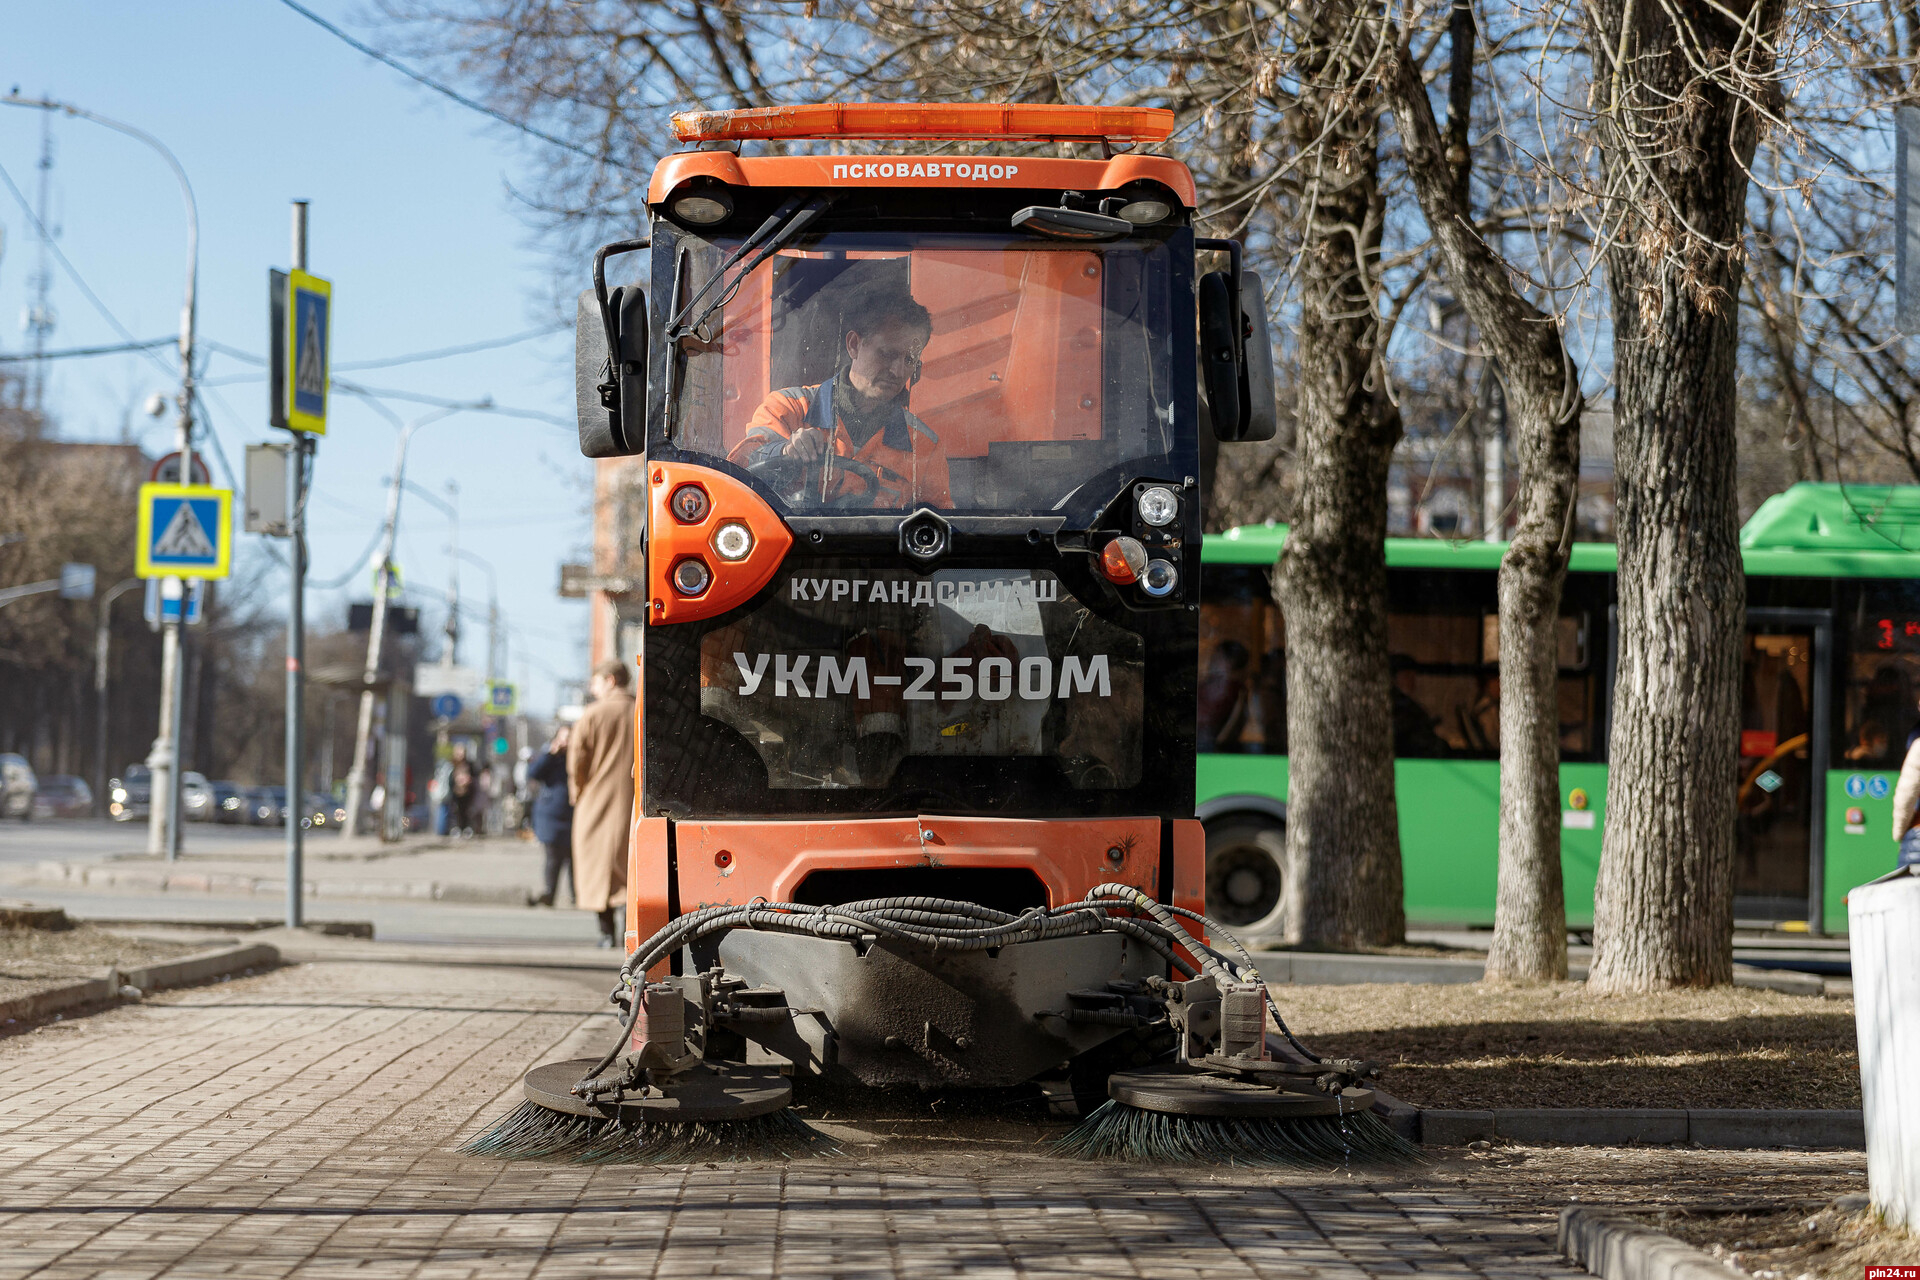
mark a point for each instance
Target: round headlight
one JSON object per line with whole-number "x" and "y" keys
{"x": 689, "y": 503}
{"x": 1160, "y": 578}
{"x": 703, "y": 210}
{"x": 1158, "y": 506}
{"x": 690, "y": 577}
{"x": 1143, "y": 213}
{"x": 733, "y": 541}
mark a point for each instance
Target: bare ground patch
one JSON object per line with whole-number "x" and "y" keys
{"x": 1480, "y": 1046}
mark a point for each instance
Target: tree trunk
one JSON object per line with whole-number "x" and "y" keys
{"x": 1543, "y": 403}
{"x": 1343, "y": 879}
{"x": 1675, "y": 145}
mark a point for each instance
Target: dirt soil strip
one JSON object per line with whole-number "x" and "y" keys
{"x": 1836, "y": 1240}
{"x": 1482, "y": 1047}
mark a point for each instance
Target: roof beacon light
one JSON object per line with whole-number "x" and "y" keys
{"x": 1123, "y": 560}
{"x": 1023, "y": 121}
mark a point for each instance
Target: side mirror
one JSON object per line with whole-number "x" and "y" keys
{"x": 610, "y": 373}
{"x": 1258, "y": 418}
{"x": 1220, "y": 354}
{"x": 599, "y": 412}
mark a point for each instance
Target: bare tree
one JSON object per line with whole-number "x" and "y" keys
{"x": 1543, "y": 391}
{"x": 1681, "y": 95}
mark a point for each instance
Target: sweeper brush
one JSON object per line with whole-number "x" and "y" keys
{"x": 943, "y": 993}
{"x": 1167, "y": 1118}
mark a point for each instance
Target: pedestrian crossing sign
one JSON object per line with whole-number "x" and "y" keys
{"x": 503, "y": 699}
{"x": 301, "y": 308}
{"x": 186, "y": 531}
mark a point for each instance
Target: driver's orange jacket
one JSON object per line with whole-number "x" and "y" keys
{"x": 900, "y": 465}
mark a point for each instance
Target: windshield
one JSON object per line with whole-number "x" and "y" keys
{"x": 859, "y": 372}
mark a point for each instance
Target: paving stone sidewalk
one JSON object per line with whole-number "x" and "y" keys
{"x": 305, "y": 1122}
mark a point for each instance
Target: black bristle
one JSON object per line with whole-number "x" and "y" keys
{"x": 533, "y": 1132}
{"x": 1120, "y": 1132}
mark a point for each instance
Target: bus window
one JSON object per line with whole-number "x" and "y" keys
{"x": 1882, "y": 676}
{"x": 1243, "y": 663}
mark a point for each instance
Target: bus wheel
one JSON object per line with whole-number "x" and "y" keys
{"x": 1244, "y": 859}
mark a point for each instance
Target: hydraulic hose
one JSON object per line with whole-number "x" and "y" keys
{"x": 942, "y": 924}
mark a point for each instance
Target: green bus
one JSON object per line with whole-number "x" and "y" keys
{"x": 1827, "y": 705}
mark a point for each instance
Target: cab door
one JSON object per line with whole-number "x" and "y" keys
{"x": 1784, "y": 725}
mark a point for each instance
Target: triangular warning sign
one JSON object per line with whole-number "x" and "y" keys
{"x": 184, "y": 537}
{"x": 308, "y": 374}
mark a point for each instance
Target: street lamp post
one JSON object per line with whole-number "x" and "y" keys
{"x": 101, "y": 637}
{"x": 452, "y": 513}
{"x": 363, "y": 733}
{"x": 496, "y": 660}
{"x": 163, "y": 826}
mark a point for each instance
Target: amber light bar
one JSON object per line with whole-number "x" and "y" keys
{"x": 1012, "y": 120}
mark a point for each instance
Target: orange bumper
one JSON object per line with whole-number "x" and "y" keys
{"x": 719, "y": 863}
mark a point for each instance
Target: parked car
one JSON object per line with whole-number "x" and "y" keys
{"x": 196, "y": 797}
{"x": 267, "y": 806}
{"x": 62, "y": 795}
{"x": 17, "y": 787}
{"x": 129, "y": 794}
{"x": 229, "y": 802}
{"x": 324, "y": 811}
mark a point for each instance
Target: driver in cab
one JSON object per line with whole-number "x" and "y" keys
{"x": 851, "y": 441}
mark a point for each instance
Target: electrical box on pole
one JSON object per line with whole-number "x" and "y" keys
{"x": 267, "y": 510}
{"x": 1906, "y": 218}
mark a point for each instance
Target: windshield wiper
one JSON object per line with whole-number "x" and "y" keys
{"x": 790, "y": 225}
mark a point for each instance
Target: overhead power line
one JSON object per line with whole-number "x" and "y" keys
{"x": 455, "y": 95}
{"x": 422, "y": 356}
{"x": 75, "y": 352}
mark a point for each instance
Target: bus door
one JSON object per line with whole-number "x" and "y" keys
{"x": 1785, "y": 723}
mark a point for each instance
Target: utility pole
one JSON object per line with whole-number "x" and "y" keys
{"x": 40, "y": 318}
{"x": 299, "y": 457}
{"x": 376, "y": 632}
{"x": 103, "y": 633}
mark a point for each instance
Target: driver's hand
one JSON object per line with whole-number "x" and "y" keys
{"x": 809, "y": 445}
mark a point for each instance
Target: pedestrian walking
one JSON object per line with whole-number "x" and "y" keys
{"x": 1906, "y": 801}
{"x": 461, "y": 786}
{"x": 600, "y": 771}
{"x": 553, "y": 815}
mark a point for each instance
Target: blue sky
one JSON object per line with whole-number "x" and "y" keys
{"x": 411, "y": 220}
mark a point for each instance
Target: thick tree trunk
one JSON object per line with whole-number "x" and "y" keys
{"x": 1543, "y": 402}
{"x": 1675, "y": 145}
{"x": 1343, "y": 880}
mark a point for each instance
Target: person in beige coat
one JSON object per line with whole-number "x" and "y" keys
{"x": 600, "y": 779}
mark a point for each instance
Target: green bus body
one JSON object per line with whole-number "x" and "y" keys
{"x": 1828, "y": 557}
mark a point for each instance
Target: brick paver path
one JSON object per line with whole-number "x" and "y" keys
{"x": 305, "y": 1122}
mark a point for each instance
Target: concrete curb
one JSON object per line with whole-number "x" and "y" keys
{"x": 1726, "y": 1129}
{"x": 205, "y": 966}
{"x": 298, "y": 949}
{"x": 1619, "y": 1249}
{"x": 1312, "y": 968}
{"x": 126, "y": 880}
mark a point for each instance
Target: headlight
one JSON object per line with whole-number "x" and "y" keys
{"x": 1142, "y": 213}
{"x": 690, "y": 503}
{"x": 703, "y": 209}
{"x": 733, "y": 541}
{"x": 1160, "y": 578}
{"x": 691, "y": 577}
{"x": 1158, "y": 506}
